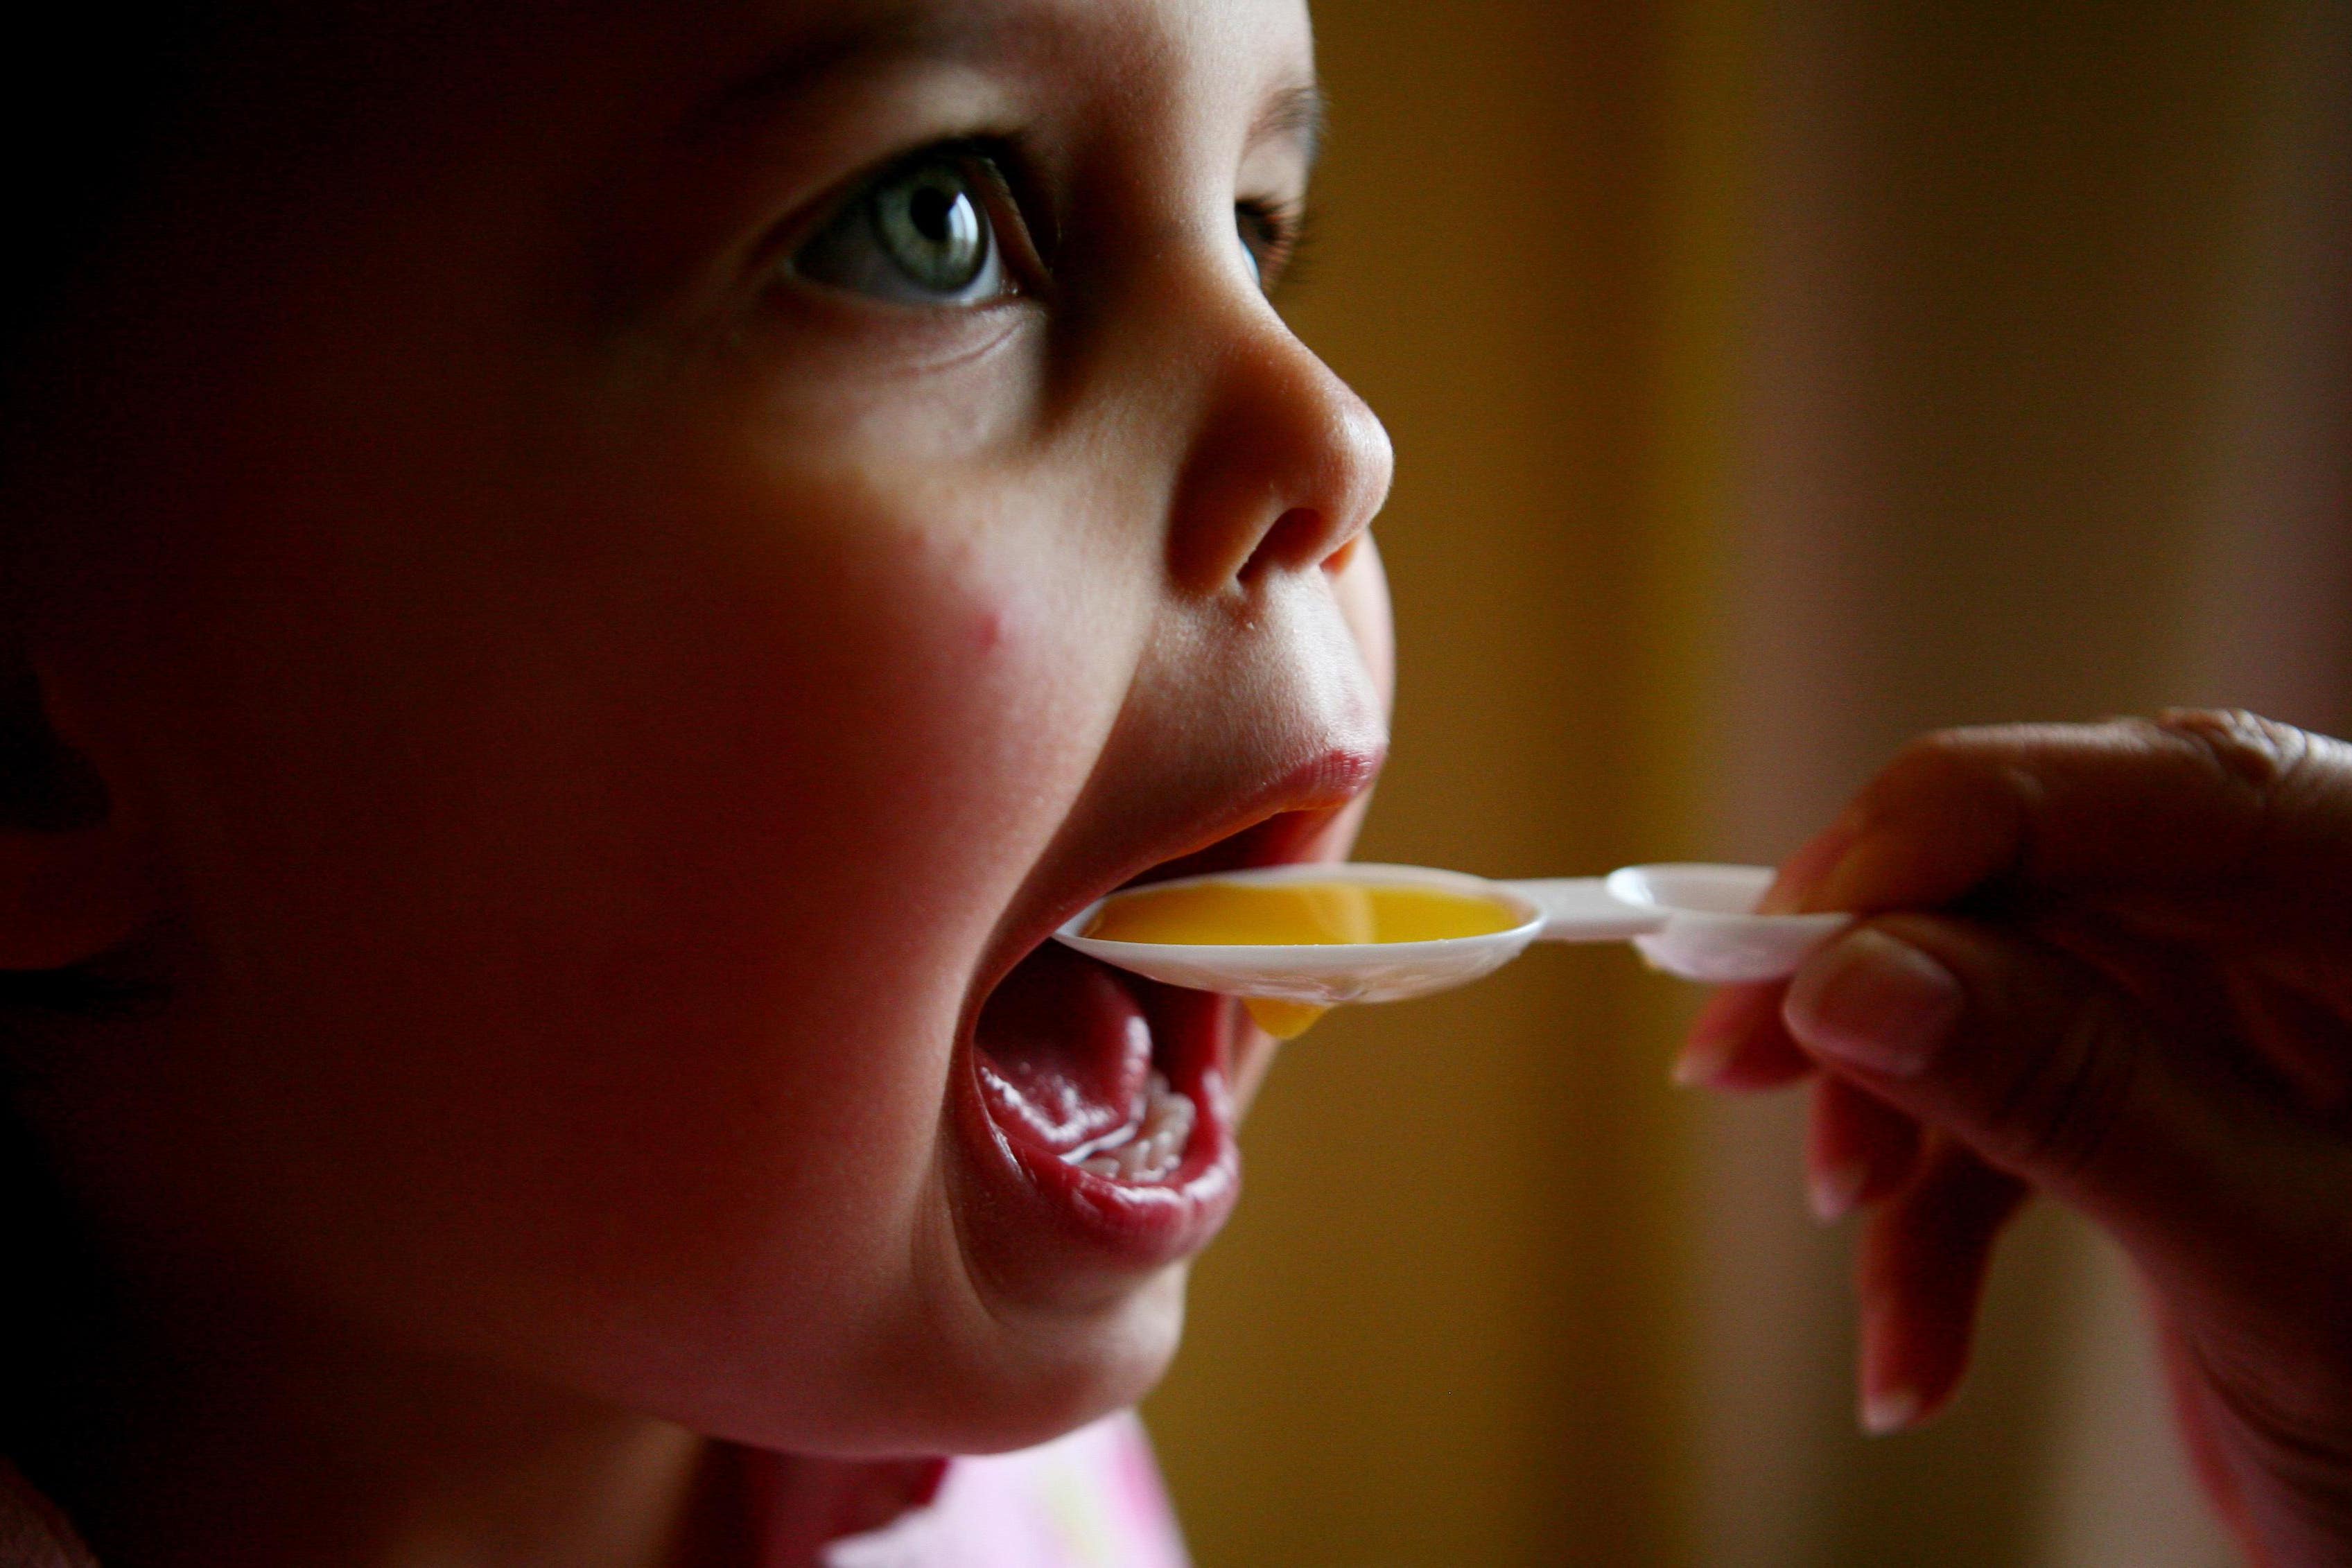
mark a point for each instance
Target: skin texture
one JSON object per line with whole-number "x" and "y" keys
{"x": 2111, "y": 963}
{"x": 585, "y": 716}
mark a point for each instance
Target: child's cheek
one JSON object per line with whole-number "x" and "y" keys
{"x": 578, "y": 910}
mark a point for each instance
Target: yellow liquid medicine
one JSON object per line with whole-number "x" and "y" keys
{"x": 1295, "y": 914}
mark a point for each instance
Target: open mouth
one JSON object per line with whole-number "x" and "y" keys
{"x": 1078, "y": 1062}
{"x": 1109, "y": 1091}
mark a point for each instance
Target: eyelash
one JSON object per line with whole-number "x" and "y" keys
{"x": 1009, "y": 165}
{"x": 1280, "y": 232}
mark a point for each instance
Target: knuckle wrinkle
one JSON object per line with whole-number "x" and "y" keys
{"x": 2055, "y": 1118}
{"x": 2245, "y": 747}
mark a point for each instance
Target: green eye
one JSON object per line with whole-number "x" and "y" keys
{"x": 932, "y": 230}
{"x": 922, "y": 234}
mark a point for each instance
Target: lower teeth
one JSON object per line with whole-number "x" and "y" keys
{"x": 1153, "y": 1148}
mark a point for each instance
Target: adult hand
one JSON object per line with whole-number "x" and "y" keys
{"x": 2112, "y": 963}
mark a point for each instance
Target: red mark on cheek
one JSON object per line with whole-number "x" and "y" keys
{"x": 991, "y": 629}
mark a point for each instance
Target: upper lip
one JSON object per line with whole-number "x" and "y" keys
{"x": 1302, "y": 798}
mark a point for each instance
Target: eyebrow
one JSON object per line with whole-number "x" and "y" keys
{"x": 1299, "y": 113}
{"x": 924, "y": 35}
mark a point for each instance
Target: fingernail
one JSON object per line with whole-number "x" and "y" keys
{"x": 1834, "y": 1192}
{"x": 1889, "y": 1410}
{"x": 1875, "y": 1003}
{"x": 1720, "y": 1031}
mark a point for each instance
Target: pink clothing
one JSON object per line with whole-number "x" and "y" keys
{"x": 1089, "y": 1499}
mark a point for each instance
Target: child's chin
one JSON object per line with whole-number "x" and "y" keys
{"x": 1054, "y": 1373}
{"x": 1031, "y": 1379}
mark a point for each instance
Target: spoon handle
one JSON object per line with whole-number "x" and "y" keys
{"x": 1582, "y": 909}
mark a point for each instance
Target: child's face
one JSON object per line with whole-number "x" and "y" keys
{"x": 628, "y": 597}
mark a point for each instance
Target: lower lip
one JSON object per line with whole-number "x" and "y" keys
{"x": 1048, "y": 1207}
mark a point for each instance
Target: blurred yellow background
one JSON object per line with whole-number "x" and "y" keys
{"x": 1769, "y": 381}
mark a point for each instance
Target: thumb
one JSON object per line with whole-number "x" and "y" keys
{"x": 2050, "y": 1072}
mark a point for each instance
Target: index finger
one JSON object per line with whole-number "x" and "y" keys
{"x": 2192, "y": 802}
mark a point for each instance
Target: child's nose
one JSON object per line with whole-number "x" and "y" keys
{"x": 1287, "y": 465}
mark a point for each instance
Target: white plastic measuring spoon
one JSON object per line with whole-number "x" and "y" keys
{"x": 1695, "y": 921}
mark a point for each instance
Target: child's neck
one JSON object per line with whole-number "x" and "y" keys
{"x": 225, "y": 1441}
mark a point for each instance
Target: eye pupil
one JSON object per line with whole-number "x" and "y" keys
{"x": 930, "y": 210}
{"x": 931, "y": 227}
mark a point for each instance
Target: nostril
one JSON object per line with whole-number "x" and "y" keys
{"x": 1299, "y": 537}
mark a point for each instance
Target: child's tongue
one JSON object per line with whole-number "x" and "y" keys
{"x": 1064, "y": 1051}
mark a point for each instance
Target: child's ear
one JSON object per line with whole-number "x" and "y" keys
{"x": 73, "y": 882}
